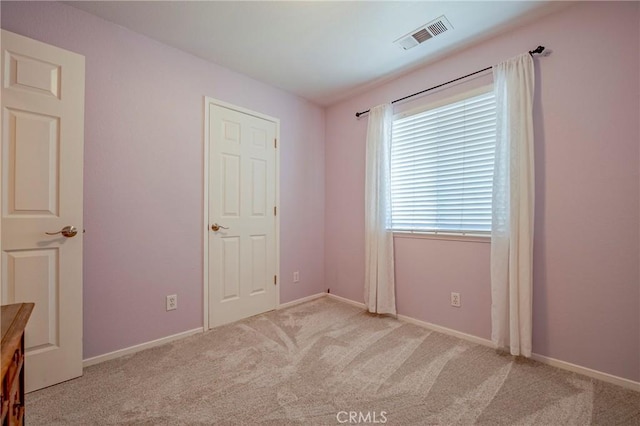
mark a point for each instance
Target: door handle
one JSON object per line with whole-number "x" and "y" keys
{"x": 67, "y": 231}
{"x": 216, "y": 227}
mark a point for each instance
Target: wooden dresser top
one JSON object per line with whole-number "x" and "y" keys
{"x": 14, "y": 320}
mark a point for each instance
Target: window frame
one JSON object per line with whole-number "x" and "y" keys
{"x": 473, "y": 236}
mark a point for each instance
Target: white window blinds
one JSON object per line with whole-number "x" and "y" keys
{"x": 442, "y": 168}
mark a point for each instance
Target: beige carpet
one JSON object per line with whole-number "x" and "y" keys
{"x": 326, "y": 363}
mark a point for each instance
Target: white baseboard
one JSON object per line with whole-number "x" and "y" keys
{"x": 137, "y": 348}
{"x": 299, "y": 301}
{"x": 448, "y": 331}
{"x": 345, "y": 300}
{"x": 605, "y": 377}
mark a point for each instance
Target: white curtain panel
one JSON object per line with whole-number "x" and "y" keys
{"x": 513, "y": 207}
{"x": 379, "y": 284}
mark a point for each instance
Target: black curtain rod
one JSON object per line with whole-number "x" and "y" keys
{"x": 537, "y": 50}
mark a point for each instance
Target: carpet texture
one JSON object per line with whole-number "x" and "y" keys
{"x": 325, "y": 363}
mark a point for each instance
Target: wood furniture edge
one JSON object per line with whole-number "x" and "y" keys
{"x": 19, "y": 322}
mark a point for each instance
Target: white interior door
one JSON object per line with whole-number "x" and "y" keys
{"x": 42, "y": 156}
{"x": 242, "y": 201}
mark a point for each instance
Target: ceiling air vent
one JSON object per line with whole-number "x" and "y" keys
{"x": 424, "y": 33}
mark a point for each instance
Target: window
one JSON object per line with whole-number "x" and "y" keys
{"x": 442, "y": 167}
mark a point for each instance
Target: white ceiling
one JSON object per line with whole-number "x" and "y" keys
{"x": 321, "y": 50}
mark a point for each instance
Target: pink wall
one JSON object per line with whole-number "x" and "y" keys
{"x": 144, "y": 173}
{"x": 586, "y": 276}
{"x": 143, "y": 203}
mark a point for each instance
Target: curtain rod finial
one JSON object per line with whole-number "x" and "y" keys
{"x": 538, "y": 49}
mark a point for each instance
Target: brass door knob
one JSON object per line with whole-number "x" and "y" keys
{"x": 67, "y": 231}
{"x": 216, "y": 227}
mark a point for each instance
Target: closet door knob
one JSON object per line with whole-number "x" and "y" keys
{"x": 67, "y": 231}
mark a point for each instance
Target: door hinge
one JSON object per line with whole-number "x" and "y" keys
{"x": 275, "y": 142}
{"x": 275, "y": 279}
{"x": 275, "y": 211}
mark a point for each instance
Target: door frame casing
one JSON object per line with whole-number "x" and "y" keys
{"x": 207, "y": 149}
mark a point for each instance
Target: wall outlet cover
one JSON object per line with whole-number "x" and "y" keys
{"x": 172, "y": 302}
{"x": 455, "y": 300}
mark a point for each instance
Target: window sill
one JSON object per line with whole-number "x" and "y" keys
{"x": 472, "y": 238}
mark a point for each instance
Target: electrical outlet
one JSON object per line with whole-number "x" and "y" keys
{"x": 455, "y": 299}
{"x": 172, "y": 302}
{"x": 296, "y": 277}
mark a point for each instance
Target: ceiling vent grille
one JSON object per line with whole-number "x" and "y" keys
{"x": 437, "y": 28}
{"x": 424, "y": 33}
